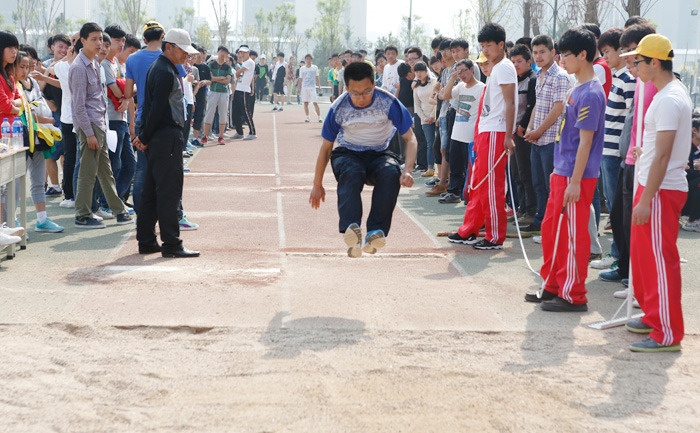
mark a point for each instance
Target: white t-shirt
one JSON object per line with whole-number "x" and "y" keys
{"x": 61, "y": 69}
{"x": 600, "y": 73}
{"x": 390, "y": 76}
{"x": 467, "y": 110}
{"x": 246, "y": 79}
{"x": 308, "y": 76}
{"x": 670, "y": 110}
{"x": 493, "y": 113}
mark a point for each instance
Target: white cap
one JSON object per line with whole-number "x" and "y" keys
{"x": 244, "y": 48}
{"x": 263, "y": 57}
{"x": 180, "y": 38}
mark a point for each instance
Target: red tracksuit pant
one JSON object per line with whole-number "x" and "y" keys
{"x": 656, "y": 266}
{"x": 565, "y": 269}
{"x": 487, "y": 202}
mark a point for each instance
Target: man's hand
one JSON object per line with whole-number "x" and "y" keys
{"x": 318, "y": 195}
{"x": 520, "y": 132}
{"x": 406, "y": 180}
{"x": 509, "y": 144}
{"x": 533, "y": 135}
{"x": 572, "y": 194}
{"x": 37, "y": 75}
{"x": 641, "y": 213}
{"x": 637, "y": 153}
{"x": 138, "y": 144}
{"x": 123, "y": 106}
{"x": 132, "y": 132}
{"x": 92, "y": 143}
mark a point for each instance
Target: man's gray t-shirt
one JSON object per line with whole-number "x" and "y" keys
{"x": 111, "y": 71}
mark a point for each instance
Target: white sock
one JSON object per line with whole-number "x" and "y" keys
{"x": 41, "y": 216}
{"x": 56, "y": 186}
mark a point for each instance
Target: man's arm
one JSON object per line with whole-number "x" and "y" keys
{"x": 657, "y": 172}
{"x": 159, "y": 105}
{"x": 129, "y": 95}
{"x": 411, "y": 151}
{"x": 509, "y": 98}
{"x": 318, "y": 194}
{"x": 446, "y": 93}
{"x": 572, "y": 194}
{"x": 78, "y": 82}
{"x": 550, "y": 120}
{"x": 531, "y": 100}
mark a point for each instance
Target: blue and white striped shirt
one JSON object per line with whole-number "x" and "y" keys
{"x": 619, "y": 103}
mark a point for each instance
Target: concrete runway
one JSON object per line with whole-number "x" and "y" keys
{"x": 274, "y": 328}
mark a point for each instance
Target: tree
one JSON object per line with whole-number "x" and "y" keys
{"x": 384, "y": 41}
{"x": 48, "y": 16}
{"x": 204, "y": 36}
{"x": 184, "y": 19}
{"x": 296, "y": 40}
{"x": 222, "y": 18}
{"x": 462, "y": 24}
{"x": 637, "y": 7}
{"x": 25, "y": 16}
{"x": 419, "y": 36}
{"x": 262, "y": 31}
{"x": 492, "y": 11}
{"x": 131, "y": 13}
{"x": 282, "y": 24}
{"x": 329, "y": 26}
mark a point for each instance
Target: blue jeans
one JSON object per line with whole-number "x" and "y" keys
{"x": 609, "y": 169}
{"x": 125, "y": 174}
{"x": 444, "y": 136}
{"x": 541, "y": 167}
{"x": 352, "y": 170}
{"x": 429, "y": 132}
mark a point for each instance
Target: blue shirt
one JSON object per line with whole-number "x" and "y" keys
{"x": 366, "y": 128}
{"x": 137, "y": 66}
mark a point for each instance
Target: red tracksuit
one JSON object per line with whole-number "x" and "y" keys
{"x": 656, "y": 266}
{"x": 487, "y": 202}
{"x": 568, "y": 274}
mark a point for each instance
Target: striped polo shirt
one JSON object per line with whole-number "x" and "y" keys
{"x": 619, "y": 102}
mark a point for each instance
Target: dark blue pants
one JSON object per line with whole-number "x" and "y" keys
{"x": 459, "y": 161}
{"x": 542, "y": 166}
{"x": 352, "y": 170}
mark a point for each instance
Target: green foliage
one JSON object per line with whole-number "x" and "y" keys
{"x": 204, "y": 37}
{"x": 184, "y": 19}
{"x": 330, "y": 27}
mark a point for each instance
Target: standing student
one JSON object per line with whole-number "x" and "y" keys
{"x": 309, "y": 86}
{"x": 162, "y": 141}
{"x": 487, "y": 204}
{"x": 363, "y": 120}
{"x": 577, "y": 159}
{"x": 218, "y": 99}
{"x": 278, "y": 75}
{"x": 390, "y": 80}
{"x": 241, "y": 96}
{"x": 658, "y": 202}
{"x": 425, "y": 110}
{"x": 89, "y": 109}
{"x": 261, "y": 78}
{"x": 200, "y": 103}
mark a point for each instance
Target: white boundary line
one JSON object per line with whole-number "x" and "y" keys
{"x": 286, "y": 294}
{"x": 201, "y": 174}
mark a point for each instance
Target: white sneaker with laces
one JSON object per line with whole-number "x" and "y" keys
{"x": 104, "y": 214}
{"x": 9, "y": 240}
{"x": 537, "y": 239}
{"x": 14, "y": 231}
{"x": 692, "y": 226}
{"x": 621, "y": 294}
{"x": 603, "y": 263}
{"x": 67, "y": 203}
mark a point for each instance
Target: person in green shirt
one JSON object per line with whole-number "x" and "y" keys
{"x": 218, "y": 97}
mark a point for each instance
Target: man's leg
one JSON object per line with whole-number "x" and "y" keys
{"x": 421, "y": 158}
{"x": 495, "y": 214}
{"x": 248, "y": 106}
{"x": 623, "y": 246}
{"x": 139, "y": 174}
{"x": 200, "y": 107}
{"x": 318, "y": 110}
{"x": 656, "y": 267}
{"x": 306, "y": 109}
{"x": 458, "y": 167}
{"x": 350, "y": 172}
{"x": 553, "y": 261}
{"x": 223, "y": 113}
{"x": 104, "y": 174}
{"x": 238, "y": 97}
{"x": 528, "y": 198}
{"x": 70, "y": 151}
{"x": 474, "y": 214}
{"x": 86, "y": 177}
{"x": 168, "y": 178}
{"x": 147, "y": 205}
{"x": 212, "y": 105}
{"x": 115, "y": 158}
{"x": 384, "y": 173}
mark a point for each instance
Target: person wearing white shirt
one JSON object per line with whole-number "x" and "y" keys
{"x": 309, "y": 83}
{"x": 390, "y": 77}
{"x": 241, "y": 97}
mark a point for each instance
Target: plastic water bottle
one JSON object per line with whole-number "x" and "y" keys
{"x": 6, "y": 134}
{"x": 17, "y": 134}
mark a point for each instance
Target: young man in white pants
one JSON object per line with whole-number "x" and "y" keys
{"x": 309, "y": 83}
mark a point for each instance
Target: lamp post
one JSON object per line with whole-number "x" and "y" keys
{"x": 410, "y": 16}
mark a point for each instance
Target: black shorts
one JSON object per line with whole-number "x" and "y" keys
{"x": 278, "y": 87}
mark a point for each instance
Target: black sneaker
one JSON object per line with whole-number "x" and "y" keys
{"x": 455, "y": 238}
{"x": 531, "y": 229}
{"x": 487, "y": 245}
{"x": 559, "y": 305}
{"x": 449, "y": 198}
{"x": 124, "y": 218}
{"x": 432, "y": 182}
{"x": 88, "y": 223}
{"x": 546, "y": 296}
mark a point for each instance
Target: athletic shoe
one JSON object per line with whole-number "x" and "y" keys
{"x": 105, "y": 213}
{"x": 250, "y": 137}
{"x": 189, "y": 148}
{"x": 88, "y": 223}
{"x": 487, "y": 245}
{"x": 52, "y": 191}
{"x": 204, "y": 141}
{"x": 648, "y": 345}
{"x": 559, "y": 305}
{"x": 237, "y": 136}
{"x": 509, "y": 211}
{"x": 611, "y": 276}
{"x": 525, "y": 220}
{"x": 595, "y": 256}
{"x": 625, "y": 282}
{"x": 129, "y": 209}
{"x": 9, "y": 240}
{"x": 281, "y": 109}
{"x": 428, "y": 173}
{"x": 67, "y": 203}
{"x": 186, "y": 154}
{"x": 320, "y": 120}
{"x": 307, "y": 120}
{"x": 449, "y": 198}
{"x": 607, "y": 262}
{"x": 436, "y": 190}
{"x": 221, "y": 141}
{"x": 123, "y": 219}
{"x": 186, "y": 225}
{"x": 537, "y": 239}
{"x": 274, "y": 109}
{"x": 13, "y": 231}
{"x": 373, "y": 241}
{"x": 353, "y": 239}
{"x": 97, "y": 217}
{"x": 455, "y": 238}
{"x": 692, "y": 226}
{"x": 638, "y": 327}
{"x": 196, "y": 143}
{"x": 531, "y": 229}
{"x": 48, "y": 226}
{"x": 432, "y": 182}
{"x": 546, "y": 296}
{"x": 620, "y": 294}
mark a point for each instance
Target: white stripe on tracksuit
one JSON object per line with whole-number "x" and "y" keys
{"x": 661, "y": 281}
{"x": 571, "y": 256}
{"x": 492, "y": 187}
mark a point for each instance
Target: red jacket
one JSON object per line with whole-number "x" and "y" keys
{"x": 608, "y": 75}
{"x": 7, "y": 97}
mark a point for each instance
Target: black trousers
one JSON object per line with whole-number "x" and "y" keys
{"x": 251, "y": 103}
{"x": 241, "y": 110}
{"x": 188, "y": 122}
{"x": 162, "y": 190}
{"x": 523, "y": 177}
{"x": 422, "y": 158}
{"x": 621, "y": 217}
{"x": 200, "y": 108}
{"x": 692, "y": 205}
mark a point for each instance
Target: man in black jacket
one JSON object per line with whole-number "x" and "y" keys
{"x": 162, "y": 141}
{"x": 522, "y": 178}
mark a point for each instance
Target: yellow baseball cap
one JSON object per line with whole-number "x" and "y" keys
{"x": 152, "y": 25}
{"x": 482, "y": 58}
{"x": 654, "y": 46}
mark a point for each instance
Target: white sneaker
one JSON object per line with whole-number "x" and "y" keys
{"x": 97, "y": 217}
{"x": 604, "y": 263}
{"x": 692, "y": 226}
{"x": 308, "y": 119}
{"x": 621, "y": 294}
{"x": 537, "y": 239}
{"x": 68, "y": 203}
{"x": 104, "y": 213}
{"x": 14, "y": 231}
{"x": 9, "y": 240}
